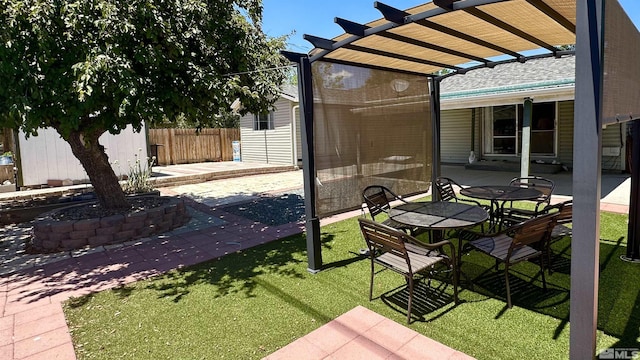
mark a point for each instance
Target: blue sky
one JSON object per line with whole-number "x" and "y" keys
{"x": 315, "y": 17}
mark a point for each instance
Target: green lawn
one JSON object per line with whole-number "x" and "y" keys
{"x": 249, "y": 304}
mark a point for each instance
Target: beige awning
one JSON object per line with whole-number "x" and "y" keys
{"x": 460, "y": 35}
{"x": 456, "y": 35}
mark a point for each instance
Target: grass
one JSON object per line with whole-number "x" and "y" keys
{"x": 249, "y": 304}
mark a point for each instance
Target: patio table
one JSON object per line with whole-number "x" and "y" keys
{"x": 439, "y": 216}
{"x": 497, "y": 194}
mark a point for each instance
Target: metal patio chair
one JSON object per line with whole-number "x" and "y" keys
{"x": 378, "y": 199}
{"x": 405, "y": 255}
{"x": 444, "y": 186}
{"x": 522, "y": 242}
{"x": 512, "y": 215}
{"x": 564, "y": 216}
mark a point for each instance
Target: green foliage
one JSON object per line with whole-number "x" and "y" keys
{"x": 88, "y": 67}
{"x": 292, "y": 76}
{"x": 139, "y": 175}
{"x": 328, "y": 75}
{"x": 96, "y": 66}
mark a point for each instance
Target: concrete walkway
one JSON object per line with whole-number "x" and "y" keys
{"x": 615, "y": 187}
{"x": 363, "y": 334}
{"x": 32, "y": 323}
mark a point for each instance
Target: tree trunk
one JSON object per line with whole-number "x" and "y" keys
{"x": 96, "y": 163}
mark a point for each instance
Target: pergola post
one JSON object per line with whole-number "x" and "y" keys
{"x": 435, "y": 130}
{"x": 587, "y": 140}
{"x": 305, "y": 89}
{"x": 633, "y": 232}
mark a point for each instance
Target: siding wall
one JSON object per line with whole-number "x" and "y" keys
{"x": 275, "y": 146}
{"x": 613, "y": 137}
{"x": 48, "y": 157}
{"x": 298, "y": 138}
{"x": 455, "y": 138}
{"x": 565, "y": 133}
{"x": 269, "y": 146}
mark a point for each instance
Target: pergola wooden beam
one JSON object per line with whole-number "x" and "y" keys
{"x": 390, "y": 13}
{"x": 351, "y": 27}
{"x": 399, "y": 56}
{"x": 319, "y": 42}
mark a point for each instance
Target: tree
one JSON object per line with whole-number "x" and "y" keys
{"x": 89, "y": 67}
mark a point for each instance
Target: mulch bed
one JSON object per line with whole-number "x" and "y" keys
{"x": 94, "y": 210}
{"x": 278, "y": 210}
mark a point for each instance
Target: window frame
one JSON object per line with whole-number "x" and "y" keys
{"x": 490, "y": 136}
{"x": 260, "y": 124}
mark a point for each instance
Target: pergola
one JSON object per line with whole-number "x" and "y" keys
{"x": 461, "y": 35}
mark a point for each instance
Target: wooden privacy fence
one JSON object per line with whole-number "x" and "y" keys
{"x": 184, "y": 146}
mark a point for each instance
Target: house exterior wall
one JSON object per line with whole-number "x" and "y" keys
{"x": 456, "y": 137}
{"x": 252, "y": 143}
{"x": 612, "y": 138}
{"x": 613, "y": 151}
{"x": 269, "y": 146}
{"x": 298, "y": 136}
{"x": 48, "y": 157}
{"x": 565, "y": 133}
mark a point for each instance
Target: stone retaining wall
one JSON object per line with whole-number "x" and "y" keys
{"x": 52, "y": 235}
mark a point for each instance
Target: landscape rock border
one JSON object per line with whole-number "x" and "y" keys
{"x": 51, "y": 235}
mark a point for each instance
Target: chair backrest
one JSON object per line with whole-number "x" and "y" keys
{"x": 444, "y": 185}
{"x": 535, "y": 230}
{"x": 545, "y": 186}
{"x": 565, "y": 215}
{"x": 378, "y": 198}
{"x": 384, "y": 239}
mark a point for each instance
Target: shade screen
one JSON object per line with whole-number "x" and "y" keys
{"x": 370, "y": 127}
{"x": 621, "y": 92}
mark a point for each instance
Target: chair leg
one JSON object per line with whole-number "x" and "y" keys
{"x": 459, "y": 257}
{"x": 549, "y": 267}
{"x": 456, "y": 278}
{"x": 544, "y": 280}
{"x": 410, "y": 283}
{"x": 371, "y": 283}
{"x": 506, "y": 278}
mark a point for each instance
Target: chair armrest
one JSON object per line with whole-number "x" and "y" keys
{"x": 473, "y": 235}
{"x": 470, "y": 201}
{"x": 548, "y": 208}
{"x": 430, "y": 247}
{"x": 435, "y": 246}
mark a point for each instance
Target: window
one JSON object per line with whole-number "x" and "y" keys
{"x": 263, "y": 121}
{"x": 504, "y": 129}
{"x": 505, "y": 133}
{"x": 543, "y": 132}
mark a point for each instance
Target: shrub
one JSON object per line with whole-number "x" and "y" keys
{"x": 139, "y": 175}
